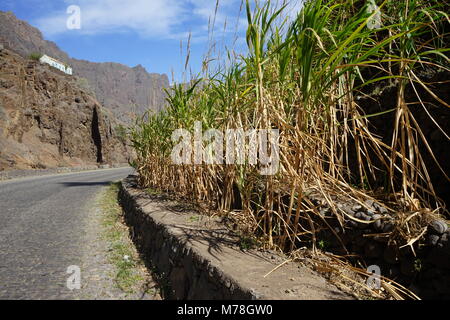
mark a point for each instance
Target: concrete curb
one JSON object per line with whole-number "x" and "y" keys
{"x": 202, "y": 263}
{"x": 163, "y": 247}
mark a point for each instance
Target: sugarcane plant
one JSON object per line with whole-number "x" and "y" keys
{"x": 303, "y": 75}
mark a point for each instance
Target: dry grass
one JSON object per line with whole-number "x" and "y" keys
{"x": 302, "y": 77}
{"x": 350, "y": 279}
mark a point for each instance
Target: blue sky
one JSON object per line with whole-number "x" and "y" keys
{"x": 132, "y": 32}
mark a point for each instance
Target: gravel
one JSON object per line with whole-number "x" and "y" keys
{"x": 43, "y": 225}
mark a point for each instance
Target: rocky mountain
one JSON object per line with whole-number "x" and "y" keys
{"x": 47, "y": 120}
{"x": 123, "y": 90}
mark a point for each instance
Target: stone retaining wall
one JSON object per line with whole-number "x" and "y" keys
{"x": 200, "y": 265}
{"x": 187, "y": 274}
{"x": 198, "y": 258}
{"x": 427, "y": 273}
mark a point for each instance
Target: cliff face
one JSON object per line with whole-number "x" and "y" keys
{"x": 47, "y": 120}
{"x": 123, "y": 90}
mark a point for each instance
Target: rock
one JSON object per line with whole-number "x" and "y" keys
{"x": 433, "y": 240}
{"x": 366, "y": 217}
{"x": 352, "y": 224}
{"x": 369, "y": 203}
{"x": 444, "y": 240}
{"x": 388, "y": 227}
{"x": 378, "y": 224}
{"x": 348, "y": 210}
{"x": 438, "y": 227}
{"x": 382, "y": 210}
{"x": 381, "y": 239}
{"x": 356, "y": 207}
{"x": 324, "y": 211}
{"x": 256, "y": 295}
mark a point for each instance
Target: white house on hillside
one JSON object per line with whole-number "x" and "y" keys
{"x": 56, "y": 64}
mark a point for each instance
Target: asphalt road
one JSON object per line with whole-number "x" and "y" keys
{"x": 42, "y": 225}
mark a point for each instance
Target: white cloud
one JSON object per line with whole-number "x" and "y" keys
{"x": 153, "y": 18}
{"x": 160, "y": 19}
{"x": 150, "y": 18}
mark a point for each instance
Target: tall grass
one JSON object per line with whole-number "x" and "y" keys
{"x": 302, "y": 75}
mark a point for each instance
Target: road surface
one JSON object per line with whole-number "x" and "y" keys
{"x": 42, "y": 225}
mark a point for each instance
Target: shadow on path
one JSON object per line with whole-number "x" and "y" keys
{"x": 86, "y": 184}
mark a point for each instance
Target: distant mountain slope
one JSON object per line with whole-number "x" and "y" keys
{"x": 123, "y": 90}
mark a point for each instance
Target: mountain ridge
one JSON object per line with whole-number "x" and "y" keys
{"x": 126, "y": 91}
